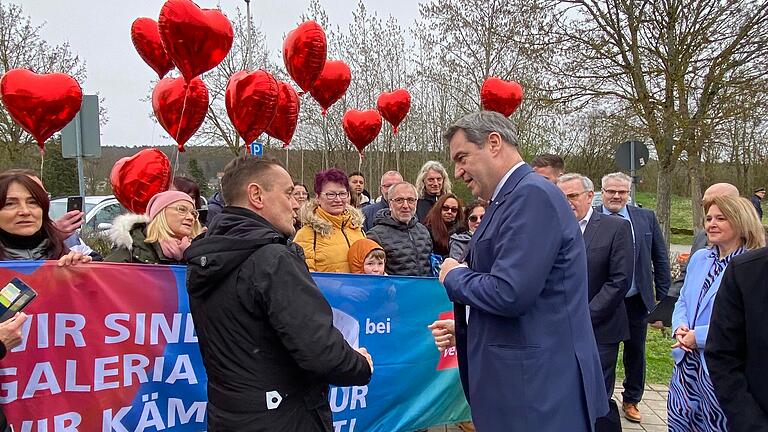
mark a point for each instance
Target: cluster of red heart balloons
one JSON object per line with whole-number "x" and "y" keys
{"x": 192, "y": 39}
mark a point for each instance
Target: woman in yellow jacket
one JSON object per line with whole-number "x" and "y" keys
{"x": 329, "y": 224}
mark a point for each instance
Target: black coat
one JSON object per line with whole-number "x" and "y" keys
{"x": 424, "y": 205}
{"x": 737, "y": 343}
{"x": 407, "y": 245}
{"x": 263, "y": 326}
{"x": 610, "y": 262}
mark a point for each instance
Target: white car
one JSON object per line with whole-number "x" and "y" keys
{"x": 100, "y": 211}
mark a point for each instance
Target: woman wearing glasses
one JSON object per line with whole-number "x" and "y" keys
{"x": 158, "y": 237}
{"x": 329, "y": 224}
{"x": 444, "y": 219}
{"x": 459, "y": 242}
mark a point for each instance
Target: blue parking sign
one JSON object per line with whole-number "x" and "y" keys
{"x": 256, "y": 148}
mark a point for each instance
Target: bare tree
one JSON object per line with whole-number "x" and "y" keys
{"x": 22, "y": 46}
{"x": 245, "y": 55}
{"x": 670, "y": 61}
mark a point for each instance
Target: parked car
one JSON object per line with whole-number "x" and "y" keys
{"x": 100, "y": 211}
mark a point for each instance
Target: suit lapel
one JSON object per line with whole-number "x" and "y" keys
{"x": 591, "y": 229}
{"x": 508, "y": 187}
{"x": 710, "y": 293}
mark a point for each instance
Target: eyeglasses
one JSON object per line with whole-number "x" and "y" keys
{"x": 400, "y": 201}
{"x": 573, "y": 196}
{"x": 450, "y": 209}
{"x": 615, "y": 192}
{"x": 334, "y": 195}
{"x": 475, "y": 218}
{"x": 182, "y": 210}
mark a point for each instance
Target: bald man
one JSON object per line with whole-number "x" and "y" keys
{"x": 700, "y": 239}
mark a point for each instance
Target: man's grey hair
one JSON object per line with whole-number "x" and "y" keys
{"x": 389, "y": 173}
{"x": 585, "y": 181}
{"x": 437, "y": 167}
{"x": 477, "y": 126}
{"x": 392, "y": 189}
{"x": 617, "y": 175}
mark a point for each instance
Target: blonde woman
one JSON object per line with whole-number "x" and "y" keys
{"x": 158, "y": 237}
{"x": 732, "y": 228}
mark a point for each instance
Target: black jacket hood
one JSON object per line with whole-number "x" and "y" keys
{"x": 232, "y": 237}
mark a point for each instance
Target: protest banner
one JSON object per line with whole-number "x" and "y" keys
{"x": 112, "y": 347}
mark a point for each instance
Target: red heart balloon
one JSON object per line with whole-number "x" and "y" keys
{"x": 394, "y": 106}
{"x": 180, "y": 107}
{"x": 197, "y": 40}
{"x": 146, "y": 40}
{"x": 138, "y": 178}
{"x": 304, "y": 52}
{"x": 284, "y": 123}
{"x": 251, "y": 101}
{"x": 501, "y": 96}
{"x": 42, "y": 104}
{"x": 332, "y": 83}
{"x": 361, "y": 127}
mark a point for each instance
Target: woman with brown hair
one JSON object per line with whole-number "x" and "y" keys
{"x": 459, "y": 242}
{"x": 26, "y": 230}
{"x": 443, "y": 220}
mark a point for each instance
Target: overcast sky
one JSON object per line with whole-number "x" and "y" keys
{"x": 99, "y": 32}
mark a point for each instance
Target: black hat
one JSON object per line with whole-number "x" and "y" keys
{"x": 759, "y": 190}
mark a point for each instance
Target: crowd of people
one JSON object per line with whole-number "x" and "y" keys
{"x": 541, "y": 280}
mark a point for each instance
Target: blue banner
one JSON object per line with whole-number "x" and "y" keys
{"x": 111, "y": 347}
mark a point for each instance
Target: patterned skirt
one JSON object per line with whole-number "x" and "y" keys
{"x": 692, "y": 405}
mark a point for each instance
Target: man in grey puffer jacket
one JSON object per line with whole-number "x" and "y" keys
{"x": 406, "y": 241}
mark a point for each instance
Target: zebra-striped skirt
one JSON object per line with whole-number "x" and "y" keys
{"x": 692, "y": 405}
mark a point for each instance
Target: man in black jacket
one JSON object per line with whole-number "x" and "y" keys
{"x": 737, "y": 343}
{"x": 265, "y": 330}
{"x": 406, "y": 241}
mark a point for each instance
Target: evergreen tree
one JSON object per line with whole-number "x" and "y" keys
{"x": 196, "y": 173}
{"x": 59, "y": 174}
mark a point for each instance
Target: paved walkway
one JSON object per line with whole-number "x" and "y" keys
{"x": 653, "y": 409}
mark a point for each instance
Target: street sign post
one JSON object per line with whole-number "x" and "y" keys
{"x": 256, "y": 148}
{"x": 632, "y": 155}
{"x": 81, "y": 138}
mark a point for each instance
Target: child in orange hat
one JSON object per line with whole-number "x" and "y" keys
{"x": 366, "y": 256}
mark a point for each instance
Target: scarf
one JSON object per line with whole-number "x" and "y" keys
{"x": 174, "y": 248}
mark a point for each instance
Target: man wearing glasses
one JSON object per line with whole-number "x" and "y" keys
{"x": 610, "y": 261}
{"x": 406, "y": 242}
{"x": 651, "y": 269}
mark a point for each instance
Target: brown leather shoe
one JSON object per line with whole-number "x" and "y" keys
{"x": 631, "y": 412}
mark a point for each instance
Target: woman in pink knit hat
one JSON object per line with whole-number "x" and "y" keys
{"x": 158, "y": 237}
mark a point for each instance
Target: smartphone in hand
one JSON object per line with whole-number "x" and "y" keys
{"x": 74, "y": 203}
{"x": 14, "y": 297}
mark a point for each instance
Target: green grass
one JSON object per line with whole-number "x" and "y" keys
{"x": 681, "y": 215}
{"x": 659, "y": 362}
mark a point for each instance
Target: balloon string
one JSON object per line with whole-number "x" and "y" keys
{"x": 42, "y": 165}
{"x": 360, "y": 163}
{"x": 178, "y": 130}
{"x": 175, "y": 163}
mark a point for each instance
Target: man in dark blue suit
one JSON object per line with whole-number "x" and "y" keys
{"x": 527, "y": 355}
{"x": 610, "y": 262}
{"x": 651, "y": 269}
